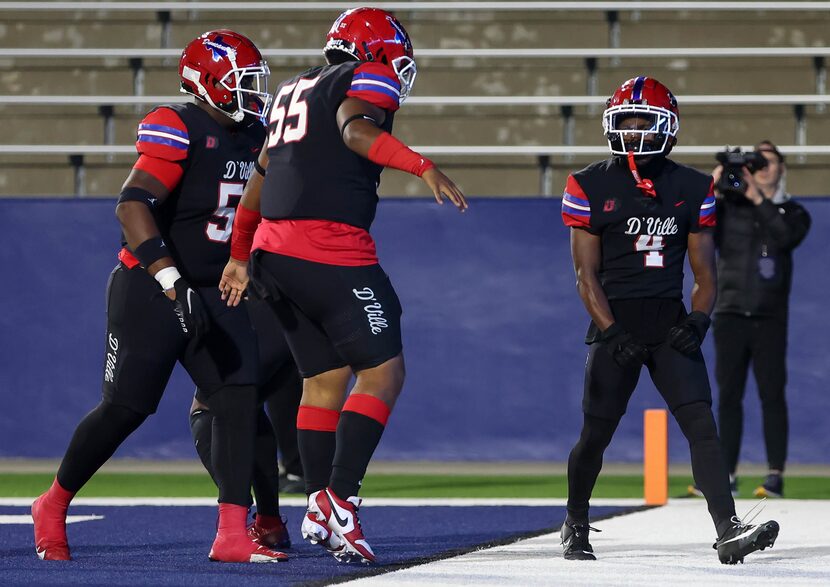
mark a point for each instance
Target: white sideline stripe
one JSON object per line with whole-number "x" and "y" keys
{"x": 26, "y": 519}
{"x": 662, "y": 546}
{"x": 301, "y": 501}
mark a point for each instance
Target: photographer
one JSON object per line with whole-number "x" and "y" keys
{"x": 758, "y": 227}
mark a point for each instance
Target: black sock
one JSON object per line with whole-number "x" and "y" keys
{"x": 232, "y": 444}
{"x": 266, "y": 474}
{"x": 95, "y": 440}
{"x": 361, "y": 426}
{"x": 201, "y": 429}
{"x": 584, "y": 464}
{"x": 708, "y": 464}
{"x": 316, "y": 442}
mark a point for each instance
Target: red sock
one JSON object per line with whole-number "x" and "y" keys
{"x": 268, "y": 522}
{"x": 233, "y": 519}
{"x": 58, "y": 498}
{"x": 369, "y": 406}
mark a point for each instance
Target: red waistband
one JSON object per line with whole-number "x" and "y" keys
{"x": 126, "y": 257}
{"x": 320, "y": 241}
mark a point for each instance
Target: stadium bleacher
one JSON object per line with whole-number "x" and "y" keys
{"x": 129, "y": 49}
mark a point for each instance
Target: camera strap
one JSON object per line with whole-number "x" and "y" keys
{"x": 645, "y": 185}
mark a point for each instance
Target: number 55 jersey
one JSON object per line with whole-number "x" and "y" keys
{"x": 312, "y": 174}
{"x": 643, "y": 237}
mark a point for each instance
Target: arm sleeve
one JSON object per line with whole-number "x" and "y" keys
{"x": 706, "y": 216}
{"x": 576, "y": 208}
{"x": 377, "y": 84}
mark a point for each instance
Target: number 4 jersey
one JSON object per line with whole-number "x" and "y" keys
{"x": 205, "y": 166}
{"x": 643, "y": 238}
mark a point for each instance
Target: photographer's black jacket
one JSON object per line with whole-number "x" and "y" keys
{"x": 755, "y": 246}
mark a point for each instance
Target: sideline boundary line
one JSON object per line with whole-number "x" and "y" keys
{"x": 302, "y": 502}
{"x": 419, "y": 561}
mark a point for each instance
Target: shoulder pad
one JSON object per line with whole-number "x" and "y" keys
{"x": 377, "y": 84}
{"x": 163, "y": 134}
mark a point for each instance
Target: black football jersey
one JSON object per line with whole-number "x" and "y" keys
{"x": 311, "y": 173}
{"x": 196, "y": 219}
{"x": 643, "y": 238}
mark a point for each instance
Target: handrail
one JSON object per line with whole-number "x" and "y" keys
{"x": 489, "y": 52}
{"x": 438, "y": 6}
{"x": 460, "y": 150}
{"x": 712, "y": 99}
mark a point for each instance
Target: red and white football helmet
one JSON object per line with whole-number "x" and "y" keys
{"x": 226, "y": 70}
{"x": 372, "y": 34}
{"x": 651, "y": 102}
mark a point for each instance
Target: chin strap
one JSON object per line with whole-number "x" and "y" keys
{"x": 645, "y": 185}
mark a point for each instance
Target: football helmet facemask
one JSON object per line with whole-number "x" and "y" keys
{"x": 642, "y": 118}
{"x": 226, "y": 70}
{"x": 372, "y": 34}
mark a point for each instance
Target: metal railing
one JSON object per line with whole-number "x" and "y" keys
{"x": 437, "y": 6}
{"x": 106, "y": 105}
{"x": 542, "y": 153}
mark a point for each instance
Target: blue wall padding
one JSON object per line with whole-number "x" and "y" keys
{"x": 493, "y": 334}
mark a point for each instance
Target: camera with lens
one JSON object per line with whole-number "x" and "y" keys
{"x": 731, "y": 183}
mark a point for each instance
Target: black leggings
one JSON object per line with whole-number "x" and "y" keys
{"x": 708, "y": 466}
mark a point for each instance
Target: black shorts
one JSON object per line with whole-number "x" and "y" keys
{"x": 144, "y": 341}
{"x": 332, "y": 316}
{"x": 679, "y": 378}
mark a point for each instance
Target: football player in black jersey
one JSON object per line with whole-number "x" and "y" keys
{"x": 176, "y": 210}
{"x": 633, "y": 217}
{"x": 316, "y": 190}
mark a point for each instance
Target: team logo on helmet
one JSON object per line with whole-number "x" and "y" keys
{"x": 219, "y": 49}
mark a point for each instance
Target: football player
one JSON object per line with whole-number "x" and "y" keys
{"x": 176, "y": 210}
{"x": 633, "y": 217}
{"x": 316, "y": 190}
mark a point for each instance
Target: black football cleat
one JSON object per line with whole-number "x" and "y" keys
{"x": 742, "y": 539}
{"x": 575, "y": 545}
{"x": 773, "y": 487}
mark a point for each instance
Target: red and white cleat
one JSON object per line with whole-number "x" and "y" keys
{"x": 316, "y": 530}
{"x": 270, "y": 532}
{"x": 50, "y": 531}
{"x": 341, "y": 518}
{"x": 239, "y": 548}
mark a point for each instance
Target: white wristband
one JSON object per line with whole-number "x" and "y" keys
{"x": 167, "y": 277}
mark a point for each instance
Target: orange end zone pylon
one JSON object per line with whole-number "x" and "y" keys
{"x": 656, "y": 457}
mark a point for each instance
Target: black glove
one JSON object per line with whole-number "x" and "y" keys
{"x": 687, "y": 336}
{"x": 190, "y": 311}
{"x": 626, "y": 350}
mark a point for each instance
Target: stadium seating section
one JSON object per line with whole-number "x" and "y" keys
{"x": 424, "y": 125}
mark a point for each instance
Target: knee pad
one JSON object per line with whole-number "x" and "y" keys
{"x": 697, "y": 422}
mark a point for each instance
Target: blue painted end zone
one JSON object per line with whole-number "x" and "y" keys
{"x": 144, "y": 545}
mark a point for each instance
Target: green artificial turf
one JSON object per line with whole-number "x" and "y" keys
{"x": 496, "y": 486}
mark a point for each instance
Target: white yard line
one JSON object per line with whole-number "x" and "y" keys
{"x": 664, "y": 546}
{"x": 26, "y": 519}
